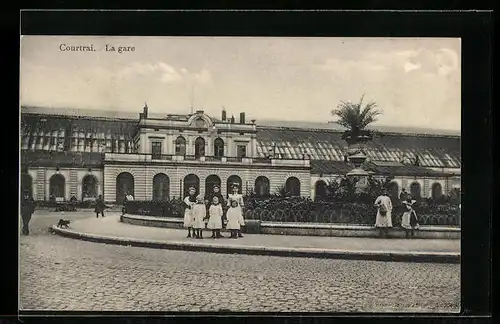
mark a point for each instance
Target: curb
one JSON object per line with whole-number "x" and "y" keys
{"x": 426, "y": 257}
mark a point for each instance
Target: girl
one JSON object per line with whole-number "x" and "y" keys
{"x": 233, "y": 218}
{"x": 215, "y": 220}
{"x": 189, "y": 201}
{"x": 199, "y": 212}
{"x": 409, "y": 220}
{"x": 236, "y": 196}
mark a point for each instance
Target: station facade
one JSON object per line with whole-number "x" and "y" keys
{"x": 75, "y": 153}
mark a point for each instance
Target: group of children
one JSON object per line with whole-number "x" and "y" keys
{"x": 197, "y": 216}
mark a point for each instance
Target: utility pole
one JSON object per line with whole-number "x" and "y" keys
{"x": 192, "y": 98}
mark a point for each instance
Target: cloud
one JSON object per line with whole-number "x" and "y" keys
{"x": 203, "y": 77}
{"x": 410, "y": 67}
{"x": 164, "y": 72}
{"x": 441, "y": 62}
{"x": 336, "y": 65}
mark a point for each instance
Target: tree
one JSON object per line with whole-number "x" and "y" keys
{"x": 356, "y": 117}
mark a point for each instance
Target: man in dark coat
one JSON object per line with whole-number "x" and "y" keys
{"x": 99, "y": 206}
{"x": 27, "y": 209}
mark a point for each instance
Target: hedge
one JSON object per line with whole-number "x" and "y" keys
{"x": 277, "y": 209}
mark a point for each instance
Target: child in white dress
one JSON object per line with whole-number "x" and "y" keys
{"x": 234, "y": 219}
{"x": 409, "y": 221}
{"x": 215, "y": 221}
{"x": 189, "y": 202}
{"x": 236, "y": 196}
{"x": 199, "y": 212}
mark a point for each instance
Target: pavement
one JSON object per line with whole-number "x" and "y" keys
{"x": 64, "y": 274}
{"x": 111, "y": 231}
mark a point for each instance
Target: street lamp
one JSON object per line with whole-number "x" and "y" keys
{"x": 358, "y": 172}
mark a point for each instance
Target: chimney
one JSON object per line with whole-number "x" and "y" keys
{"x": 242, "y": 118}
{"x": 145, "y": 111}
{"x": 224, "y": 114}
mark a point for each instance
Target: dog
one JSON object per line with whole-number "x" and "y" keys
{"x": 63, "y": 223}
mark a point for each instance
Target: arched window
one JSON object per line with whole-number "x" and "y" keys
{"x": 161, "y": 187}
{"x": 218, "y": 148}
{"x": 262, "y": 187}
{"x": 292, "y": 186}
{"x": 124, "y": 186}
{"x": 320, "y": 189}
{"x": 180, "y": 146}
{"x": 191, "y": 180}
{"x": 26, "y": 184}
{"x": 57, "y": 185}
{"x": 199, "y": 147}
{"x": 210, "y": 182}
{"x": 415, "y": 191}
{"x": 437, "y": 191}
{"x": 89, "y": 187}
{"x": 393, "y": 191}
{"x": 234, "y": 180}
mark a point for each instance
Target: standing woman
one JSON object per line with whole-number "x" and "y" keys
{"x": 384, "y": 211}
{"x": 189, "y": 202}
{"x": 236, "y": 196}
{"x": 27, "y": 209}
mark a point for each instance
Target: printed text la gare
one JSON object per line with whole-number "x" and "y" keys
{"x": 119, "y": 49}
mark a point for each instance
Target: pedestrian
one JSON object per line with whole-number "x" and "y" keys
{"x": 27, "y": 210}
{"x": 128, "y": 198}
{"x": 189, "y": 202}
{"x": 409, "y": 221}
{"x": 99, "y": 206}
{"x": 384, "y": 210}
{"x": 199, "y": 212}
{"x": 215, "y": 221}
{"x": 403, "y": 196}
{"x": 234, "y": 218}
{"x": 236, "y": 196}
{"x": 209, "y": 199}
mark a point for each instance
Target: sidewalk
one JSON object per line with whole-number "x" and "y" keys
{"x": 111, "y": 230}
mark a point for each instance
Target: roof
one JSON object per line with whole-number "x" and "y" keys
{"x": 340, "y": 168}
{"x": 441, "y": 151}
{"x": 116, "y": 114}
{"x": 436, "y": 151}
{"x": 43, "y": 158}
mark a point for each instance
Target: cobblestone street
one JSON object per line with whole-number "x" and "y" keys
{"x": 64, "y": 274}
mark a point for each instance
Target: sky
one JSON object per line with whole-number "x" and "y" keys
{"x": 414, "y": 81}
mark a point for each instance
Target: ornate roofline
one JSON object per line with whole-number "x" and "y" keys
{"x": 263, "y": 127}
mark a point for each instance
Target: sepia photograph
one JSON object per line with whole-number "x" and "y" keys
{"x": 240, "y": 174}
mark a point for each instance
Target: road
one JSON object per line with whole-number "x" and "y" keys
{"x": 64, "y": 274}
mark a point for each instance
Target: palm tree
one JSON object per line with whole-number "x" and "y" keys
{"x": 356, "y": 118}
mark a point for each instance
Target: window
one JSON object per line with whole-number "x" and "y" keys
{"x": 57, "y": 186}
{"x": 262, "y": 186}
{"x": 180, "y": 146}
{"x": 199, "y": 147}
{"x": 241, "y": 151}
{"x": 156, "y": 150}
{"x": 89, "y": 187}
{"x": 292, "y": 186}
{"x": 161, "y": 188}
{"x": 218, "y": 148}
